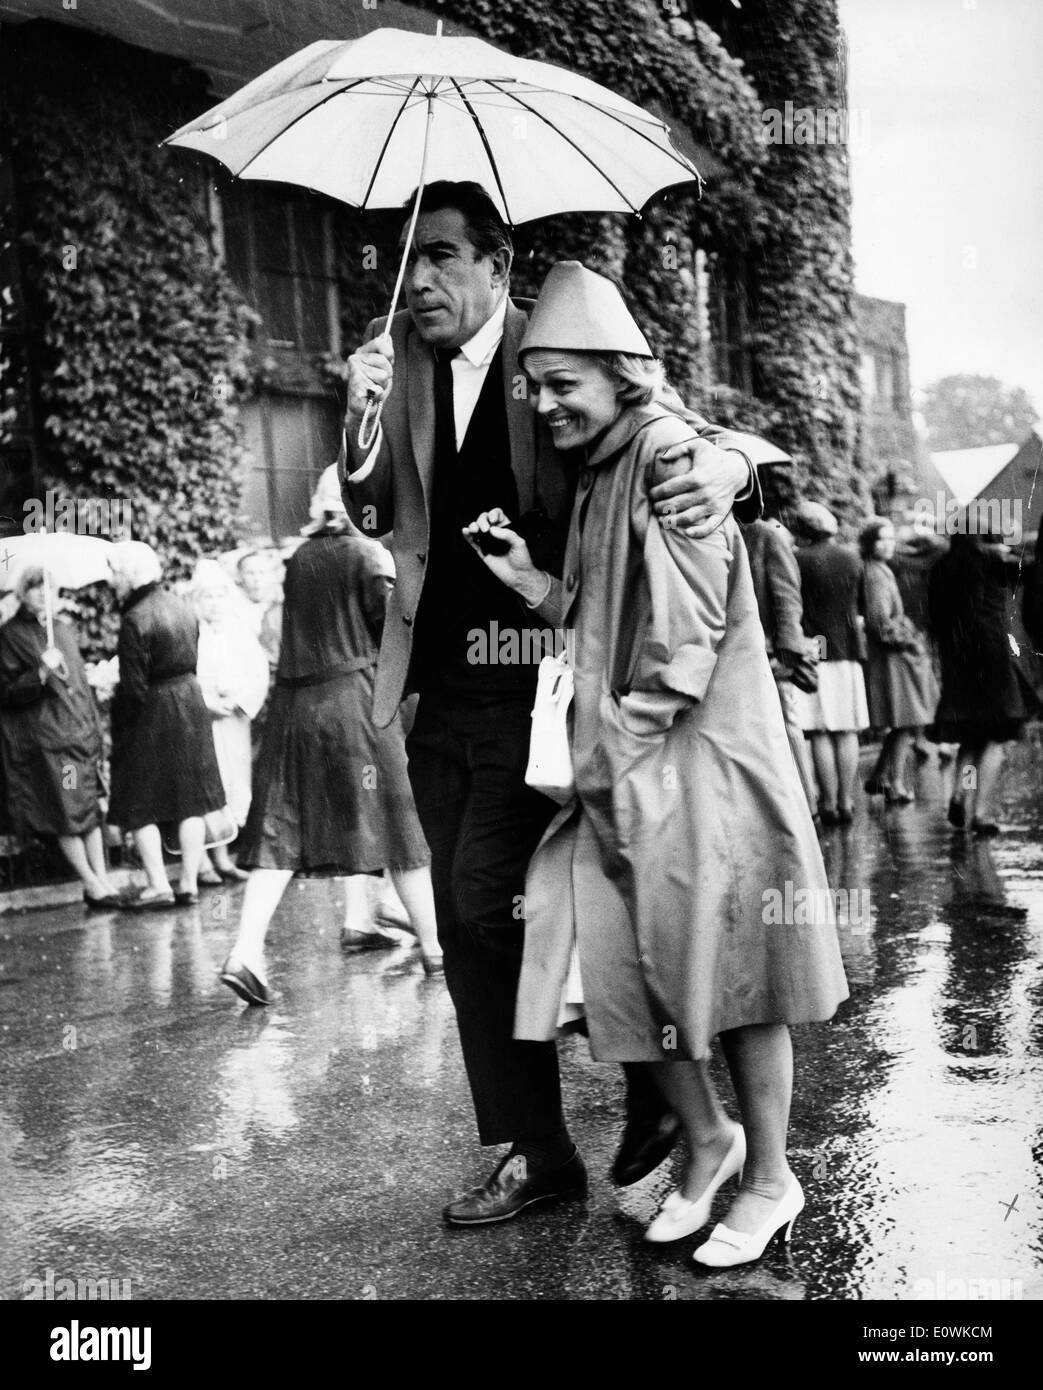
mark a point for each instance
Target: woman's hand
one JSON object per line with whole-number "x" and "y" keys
{"x": 513, "y": 568}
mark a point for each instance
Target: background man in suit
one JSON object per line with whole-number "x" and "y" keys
{"x": 457, "y": 437}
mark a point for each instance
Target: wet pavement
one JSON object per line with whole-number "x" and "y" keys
{"x": 154, "y": 1130}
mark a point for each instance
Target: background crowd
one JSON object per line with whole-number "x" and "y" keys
{"x": 930, "y": 644}
{"x": 202, "y": 670}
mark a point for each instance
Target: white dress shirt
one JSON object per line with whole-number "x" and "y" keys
{"x": 470, "y": 367}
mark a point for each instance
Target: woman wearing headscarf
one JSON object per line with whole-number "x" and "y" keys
{"x": 233, "y": 675}
{"x": 903, "y": 693}
{"x": 837, "y": 712}
{"x": 164, "y": 769}
{"x": 917, "y": 549}
{"x": 331, "y": 794}
{"x": 688, "y": 806}
{"x": 51, "y": 738}
{"x": 981, "y": 706}
{"x": 776, "y": 583}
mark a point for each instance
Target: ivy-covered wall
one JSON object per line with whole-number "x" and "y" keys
{"x": 802, "y": 275}
{"x": 141, "y": 340}
{"x": 632, "y": 48}
{"x": 138, "y": 336}
{"x": 784, "y": 208}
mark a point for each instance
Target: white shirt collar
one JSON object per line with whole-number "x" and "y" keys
{"x": 480, "y": 349}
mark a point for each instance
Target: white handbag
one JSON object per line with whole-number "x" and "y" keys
{"x": 550, "y": 768}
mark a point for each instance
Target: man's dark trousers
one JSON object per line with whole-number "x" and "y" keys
{"x": 467, "y": 759}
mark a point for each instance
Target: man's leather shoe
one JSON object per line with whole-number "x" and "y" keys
{"x": 645, "y": 1144}
{"x": 512, "y": 1188}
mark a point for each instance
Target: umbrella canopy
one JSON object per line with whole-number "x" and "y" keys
{"x": 74, "y": 561}
{"x": 351, "y": 120}
{"x": 355, "y": 119}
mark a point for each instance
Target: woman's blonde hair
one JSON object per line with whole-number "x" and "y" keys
{"x": 642, "y": 382}
{"x": 643, "y": 378}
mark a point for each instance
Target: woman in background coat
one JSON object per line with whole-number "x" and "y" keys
{"x": 981, "y": 706}
{"x": 164, "y": 769}
{"x": 1032, "y": 596}
{"x": 776, "y": 582}
{"x": 331, "y": 795}
{"x": 834, "y": 716}
{"x": 689, "y": 808}
{"x": 902, "y": 690}
{"x": 52, "y": 745}
{"x": 233, "y": 676}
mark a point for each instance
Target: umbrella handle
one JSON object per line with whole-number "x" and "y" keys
{"x": 368, "y": 431}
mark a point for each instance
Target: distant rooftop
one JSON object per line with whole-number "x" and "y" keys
{"x": 968, "y": 472}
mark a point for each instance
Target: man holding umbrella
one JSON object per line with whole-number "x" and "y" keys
{"x": 457, "y": 437}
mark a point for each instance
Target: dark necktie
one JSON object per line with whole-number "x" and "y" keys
{"x": 445, "y": 424}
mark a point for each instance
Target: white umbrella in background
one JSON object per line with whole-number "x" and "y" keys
{"x": 73, "y": 561}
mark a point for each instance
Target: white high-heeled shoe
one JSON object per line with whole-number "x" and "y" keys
{"x": 727, "y": 1247}
{"x": 681, "y": 1216}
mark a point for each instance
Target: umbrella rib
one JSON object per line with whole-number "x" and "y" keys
{"x": 387, "y": 141}
{"x": 681, "y": 159}
{"x": 569, "y": 141}
{"x": 488, "y": 149}
{"x": 290, "y": 124}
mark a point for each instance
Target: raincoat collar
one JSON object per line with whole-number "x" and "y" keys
{"x": 622, "y": 430}
{"x": 23, "y": 615}
{"x": 136, "y": 595}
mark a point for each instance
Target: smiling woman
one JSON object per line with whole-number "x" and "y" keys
{"x": 577, "y": 395}
{"x": 654, "y": 872}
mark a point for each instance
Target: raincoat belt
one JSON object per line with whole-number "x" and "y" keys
{"x": 330, "y": 673}
{"x": 171, "y": 678}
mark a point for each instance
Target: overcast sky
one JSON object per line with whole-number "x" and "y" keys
{"x": 948, "y": 180}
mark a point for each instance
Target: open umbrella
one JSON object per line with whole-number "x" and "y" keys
{"x": 368, "y": 120}
{"x": 74, "y": 562}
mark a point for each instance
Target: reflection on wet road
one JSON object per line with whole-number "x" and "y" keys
{"x": 154, "y": 1130}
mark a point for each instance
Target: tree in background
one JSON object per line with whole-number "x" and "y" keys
{"x": 966, "y": 412}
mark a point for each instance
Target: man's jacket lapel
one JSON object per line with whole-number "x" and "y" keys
{"x": 420, "y": 395}
{"x": 520, "y": 420}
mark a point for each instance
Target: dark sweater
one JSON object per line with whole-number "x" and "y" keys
{"x": 461, "y": 596}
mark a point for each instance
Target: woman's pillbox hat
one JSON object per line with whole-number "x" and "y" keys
{"x": 580, "y": 311}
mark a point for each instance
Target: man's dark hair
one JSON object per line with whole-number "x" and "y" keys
{"x": 486, "y": 229}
